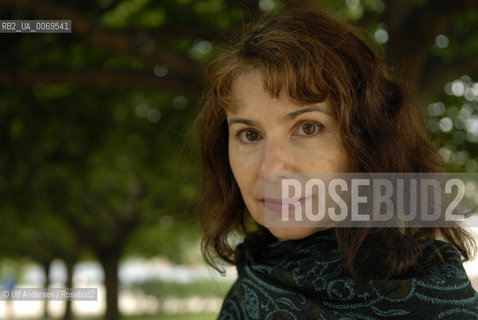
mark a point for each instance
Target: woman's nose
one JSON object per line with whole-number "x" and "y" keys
{"x": 276, "y": 158}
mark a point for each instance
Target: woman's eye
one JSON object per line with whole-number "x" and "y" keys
{"x": 309, "y": 129}
{"x": 248, "y": 136}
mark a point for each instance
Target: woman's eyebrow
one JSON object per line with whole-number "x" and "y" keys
{"x": 288, "y": 117}
{"x": 295, "y": 114}
{"x": 241, "y": 120}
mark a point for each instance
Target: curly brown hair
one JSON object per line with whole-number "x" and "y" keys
{"x": 312, "y": 56}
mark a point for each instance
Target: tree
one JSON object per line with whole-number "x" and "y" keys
{"x": 93, "y": 122}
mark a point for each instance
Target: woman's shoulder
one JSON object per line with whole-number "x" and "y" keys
{"x": 440, "y": 268}
{"x": 304, "y": 279}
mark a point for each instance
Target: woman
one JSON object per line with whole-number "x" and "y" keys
{"x": 299, "y": 93}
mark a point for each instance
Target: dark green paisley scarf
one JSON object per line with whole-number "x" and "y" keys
{"x": 305, "y": 279}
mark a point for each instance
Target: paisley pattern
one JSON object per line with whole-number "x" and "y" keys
{"x": 305, "y": 279}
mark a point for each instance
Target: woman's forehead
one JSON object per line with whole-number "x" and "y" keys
{"x": 251, "y": 86}
{"x": 247, "y": 81}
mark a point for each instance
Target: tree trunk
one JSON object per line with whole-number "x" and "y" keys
{"x": 70, "y": 264}
{"x": 46, "y": 270}
{"x": 109, "y": 259}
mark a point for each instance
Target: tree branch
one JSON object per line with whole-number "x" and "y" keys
{"x": 100, "y": 11}
{"x": 369, "y": 18}
{"x": 433, "y": 82}
{"x": 100, "y": 78}
{"x": 396, "y": 13}
{"x": 251, "y": 6}
{"x": 138, "y": 44}
{"x": 421, "y": 25}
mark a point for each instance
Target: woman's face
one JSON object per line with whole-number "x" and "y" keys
{"x": 269, "y": 135}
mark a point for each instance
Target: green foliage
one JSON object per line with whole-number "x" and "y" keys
{"x": 94, "y": 123}
{"x": 453, "y": 122}
{"x": 97, "y": 157}
{"x": 136, "y": 13}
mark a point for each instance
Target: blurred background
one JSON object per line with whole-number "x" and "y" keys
{"x": 99, "y": 165}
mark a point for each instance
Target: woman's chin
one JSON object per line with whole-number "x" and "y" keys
{"x": 283, "y": 234}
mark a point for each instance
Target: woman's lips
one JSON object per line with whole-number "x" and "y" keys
{"x": 275, "y": 205}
